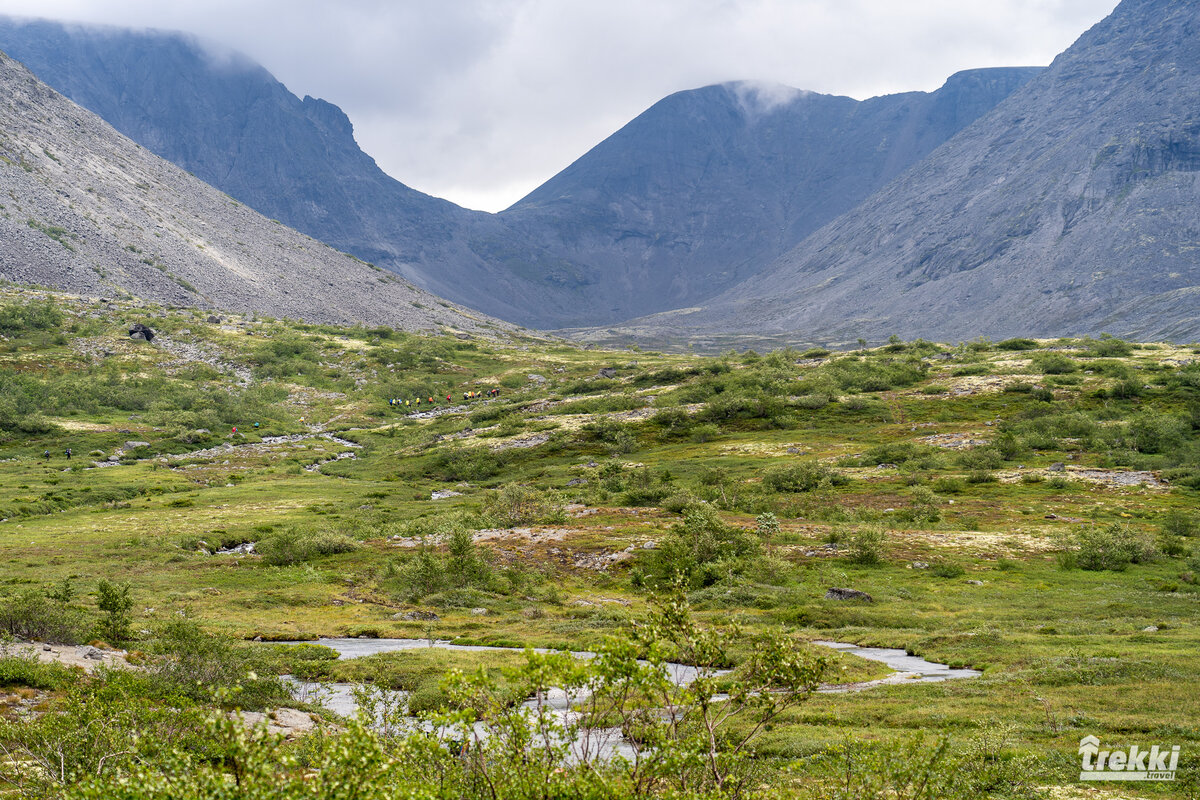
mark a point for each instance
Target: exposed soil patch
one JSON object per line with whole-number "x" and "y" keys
{"x": 953, "y": 441}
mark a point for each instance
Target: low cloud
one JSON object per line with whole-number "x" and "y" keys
{"x": 480, "y": 101}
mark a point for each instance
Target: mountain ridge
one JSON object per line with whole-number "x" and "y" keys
{"x": 88, "y": 211}
{"x": 544, "y": 262}
{"x": 1065, "y": 209}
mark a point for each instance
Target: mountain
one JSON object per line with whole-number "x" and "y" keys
{"x": 708, "y": 186}
{"x": 702, "y": 190}
{"x": 1073, "y": 207}
{"x": 87, "y": 210}
{"x": 231, "y": 124}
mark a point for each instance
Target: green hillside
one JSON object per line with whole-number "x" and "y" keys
{"x": 1024, "y": 508}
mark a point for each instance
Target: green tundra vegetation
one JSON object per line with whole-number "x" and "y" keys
{"x": 1026, "y": 508}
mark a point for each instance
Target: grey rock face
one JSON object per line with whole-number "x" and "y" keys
{"x": 88, "y": 211}
{"x": 1070, "y": 208}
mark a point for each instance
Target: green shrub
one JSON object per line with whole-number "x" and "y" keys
{"x": 699, "y": 551}
{"x": 803, "y": 476}
{"x": 865, "y": 545}
{"x": 947, "y": 569}
{"x": 1017, "y": 344}
{"x": 24, "y": 317}
{"x": 515, "y": 504}
{"x": 1112, "y": 547}
{"x": 115, "y": 602}
{"x": 1053, "y": 364}
{"x": 297, "y": 544}
{"x": 1179, "y": 523}
{"x": 34, "y": 616}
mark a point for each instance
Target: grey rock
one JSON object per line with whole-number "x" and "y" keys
{"x": 1150, "y": 629}
{"x": 416, "y": 616}
{"x": 87, "y": 651}
{"x": 975, "y": 583}
{"x": 607, "y": 372}
{"x": 836, "y": 593}
{"x": 919, "y": 565}
{"x": 1058, "y": 466}
{"x": 139, "y": 331}
{"x": 479, "y": 612}
{"x": 131, "y": 445}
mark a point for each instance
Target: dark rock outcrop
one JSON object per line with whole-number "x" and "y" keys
{"x": 142, "y": 332}
{"x": 836, "y": 593}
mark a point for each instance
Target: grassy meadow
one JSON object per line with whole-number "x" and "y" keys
{"x": 1025, "y": 508}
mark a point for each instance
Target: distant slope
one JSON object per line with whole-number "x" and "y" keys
{"x": 86, "y": 210}
{"x": 228, "y": 121}
{"x": 702, "y": 190}
{"x": 708, "y": 186}
{"x": 1072, "y": 208}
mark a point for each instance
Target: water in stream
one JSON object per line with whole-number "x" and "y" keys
{"x": 339, "y": 697}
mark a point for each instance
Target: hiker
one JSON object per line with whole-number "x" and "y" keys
{"x": 234, "y": 430}
{"x": 46, "y": 455}
{"x": 68, "y": 454}
{"x": 448, "y": 400}
{"x": 256, "y": 424}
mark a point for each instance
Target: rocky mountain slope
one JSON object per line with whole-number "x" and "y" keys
{"x": 1072, "y": 207}
{"x": 86, "y": 210}
{"x": 702, "y": 190}
{"x": 708, "y": 186}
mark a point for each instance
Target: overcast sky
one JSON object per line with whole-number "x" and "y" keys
{"x": 479, "y": 101}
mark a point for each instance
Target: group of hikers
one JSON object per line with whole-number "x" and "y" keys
{"x": 67, "y": 453}
{"x": 467, "y": 396}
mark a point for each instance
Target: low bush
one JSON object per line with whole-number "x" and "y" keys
{"x": 804, "y": 476}
{"x": 33, "y": 616}
{"x": 1111, "y": 547}
{"x": 865, "y": 545}
{"x": 699, "y": 551}
{"x": 297, "y": 544}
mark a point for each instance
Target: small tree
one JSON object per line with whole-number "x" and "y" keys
{"x": 114, "y": 601}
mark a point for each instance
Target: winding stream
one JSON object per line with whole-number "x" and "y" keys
{"x": 339, "y": 697}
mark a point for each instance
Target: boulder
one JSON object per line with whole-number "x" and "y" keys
{"x": 213, "y": 319}
{"x": 416, "y": 616}
{"x": 1058, "y": 466}
{"x": 132, "y": 445}
{"x": 836, "y": 593}
{"x": 141, "y": 332}
{"x": 607, "y": 372}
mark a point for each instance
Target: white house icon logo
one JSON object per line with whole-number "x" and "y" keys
{"x": 1134, "y": 764}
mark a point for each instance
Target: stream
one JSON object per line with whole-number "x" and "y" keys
{"x": 339, "y": 697}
